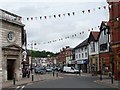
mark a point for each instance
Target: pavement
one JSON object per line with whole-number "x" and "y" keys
{"x": 106, "y": 80}
{"x": 24, "y": 81}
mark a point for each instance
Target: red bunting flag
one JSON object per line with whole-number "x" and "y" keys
{"x": 45, "y": 17}
{"x": 31, "y": 18}
{"x": 104, "y": 7}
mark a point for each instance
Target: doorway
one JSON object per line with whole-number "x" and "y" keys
{"x": 10, "y": 69}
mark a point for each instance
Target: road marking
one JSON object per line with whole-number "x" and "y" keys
{"x": 17, "y": 87}
{"x": 22, "y": 87}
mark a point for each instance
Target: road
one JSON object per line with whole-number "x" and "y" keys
{"x": 68, "y": 81}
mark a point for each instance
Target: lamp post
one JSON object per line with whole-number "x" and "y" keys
{"x": 32, "y": 72}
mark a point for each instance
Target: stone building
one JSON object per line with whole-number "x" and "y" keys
{"x": 11, "y": 42}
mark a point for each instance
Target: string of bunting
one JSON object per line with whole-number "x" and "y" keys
{"x": 64, "y": 14}
{"x": 67, "y": 37}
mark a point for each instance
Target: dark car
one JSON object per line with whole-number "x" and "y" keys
{"x": 40, "y": 70}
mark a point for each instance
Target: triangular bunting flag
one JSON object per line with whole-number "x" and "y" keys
{"x": 54, "y": 16}
{"x": 31, "y": 18}
{"x": 59, "y": 15}
{"x": 27, "y": 18}
{"x": 40, "y": 17}
{"x": 73, "y": 13}
{"x": 68, "y": 14}
{"x": 49, "y": 16}
{"x": 89, "y": 10}
{"x": 45, "y": 17}
{"x": 104, "y": 7}
{"x": 83, "y": 11}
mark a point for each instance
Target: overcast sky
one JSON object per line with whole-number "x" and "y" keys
{"x": 45, "y": 30}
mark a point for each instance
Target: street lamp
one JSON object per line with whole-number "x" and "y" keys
{"x": 32, "y": 44}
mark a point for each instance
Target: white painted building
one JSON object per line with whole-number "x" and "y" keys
{"x": 81, "y": 56}
{"x": 93, "y": 51}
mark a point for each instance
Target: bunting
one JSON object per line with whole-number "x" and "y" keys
{"x": 66, "y": 14}
{"x": 67, "y": 37}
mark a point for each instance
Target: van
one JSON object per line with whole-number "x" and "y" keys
{"x": 70, "y": 70}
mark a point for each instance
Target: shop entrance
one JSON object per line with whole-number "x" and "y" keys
{"x": 10, "y": 68}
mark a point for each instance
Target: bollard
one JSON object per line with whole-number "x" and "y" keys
{"x": 57, "y": 74}
{"x": 53, "y": 73}
{"x": 100, "y": 76}
{"x": 32, "y": 77}
{"x": 13, "y": 81}
{"x": 112, "y": 79}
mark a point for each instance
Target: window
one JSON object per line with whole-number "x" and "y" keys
{"x": 82, "y": 49}
{"x": 92, "y": 46}
{"x": 76, "y": 56}
{"x": 85, "y": 48}
{"x": 82, "y": 55}
{"x": 86, "y": 54}
{"x": 103, "y": 47}
{"x": 79, "y": 56}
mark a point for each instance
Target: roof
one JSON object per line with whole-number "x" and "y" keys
{"x": 103, "y": 25}
{"x": 95, "y": 34}
{"x": 84, "y": 43}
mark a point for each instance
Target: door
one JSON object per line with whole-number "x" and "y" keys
{"x": 10, "y": 69}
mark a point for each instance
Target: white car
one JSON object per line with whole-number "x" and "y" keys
{"x": 70, "y": 69}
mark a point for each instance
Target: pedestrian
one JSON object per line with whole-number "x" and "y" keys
{"x": 28, "y": 72}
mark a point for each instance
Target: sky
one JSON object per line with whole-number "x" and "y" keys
{"x": 41, "y": 31}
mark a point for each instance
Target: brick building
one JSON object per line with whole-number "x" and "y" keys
{"x": 114, "y": 23}
{"x": 64, "y": 56}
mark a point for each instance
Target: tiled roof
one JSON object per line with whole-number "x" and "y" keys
{"x": 95, "y": 34}
{"x": 84, "y": 43}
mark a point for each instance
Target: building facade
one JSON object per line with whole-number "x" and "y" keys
{"x": 104, "y": 48}
{"x": 64, "y": 57}
{"x": 93, "y": 51}
{"x": 81, "y": 56}
{"x": 11, "y": 41}
{"x": 114, "y": 23}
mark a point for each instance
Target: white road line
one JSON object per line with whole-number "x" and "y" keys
{"x": 22, "y": 87}
{"x": 17, "y": 87}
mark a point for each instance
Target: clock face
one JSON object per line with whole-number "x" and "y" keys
{"x": 11, "y": 36}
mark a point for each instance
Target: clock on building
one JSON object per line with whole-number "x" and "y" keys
{"x": 11, "y": 36}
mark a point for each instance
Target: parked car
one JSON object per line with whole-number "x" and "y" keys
{"x": 40, "y": 70}
{"x": 70, "y": 69}
{"x": 48, "y": 69}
